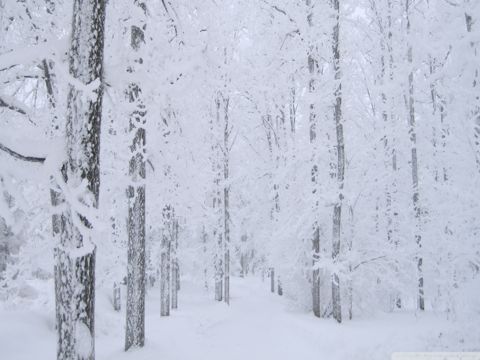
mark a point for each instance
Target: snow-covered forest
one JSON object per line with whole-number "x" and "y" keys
{"x": 239, "y": 179}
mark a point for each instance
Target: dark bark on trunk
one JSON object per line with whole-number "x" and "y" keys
{"x": 219, "y": 285}
{"x": 175, "y": 269}
{"x": 243, "y": 257}
{"x": 316, "y": 273}
{"x": 272, "y": 280}
{"x": 414, "y": 164}
{"x": 219, "y": 266}
{"x": 217, "y": 204}
{"x": 337, "y": 211}
{"x": 165, "y": 279}
{"x": 350, "y": 267}
{"x": 312, "y": 69}
{"x": 165, "y": 261}
{"x": 222, "y": 197}
{"x": 75, "y": 299}
{"x": 387, "y": 76}
{"x": 117, "y": 304}
{"x": 135, "y": 329}
{"x": 75, "y": 256}
{"x": 205, "y": 269}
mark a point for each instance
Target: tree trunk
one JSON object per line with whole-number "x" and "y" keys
{"x": 279, "y": 287}
{"x": 75, "y": 298}
{"x": 219, "y": 232}
{"x": 135, "y": 330}
{"x": 205, "y": 255}
{"x": 316, "y": 273}
{"x": 219, "y": 253}
{"x": 243, "y": 256}
{"x": 387, "y": 76}
{"x": 117, "y": 304}
{"x": 75, "y": 255}
{"x": 219, "y": 282}
{"x": 165, "y": 261}
{"x": 175, "y": 274}
{"x": 337, "y": 211}
{"x": 272, "y": 280}
{"x": 226, "y": 200}
{"x": 414, "y": 163}
{"x": 475, "y": 114}
{"x": 350, "y": 266}
{"x": 312, "y": 69}
{"x": 439, "y": 110}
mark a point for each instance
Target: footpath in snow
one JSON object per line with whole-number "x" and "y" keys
{"x": 256, "y": 325}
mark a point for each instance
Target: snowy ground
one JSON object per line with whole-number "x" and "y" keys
{"x": 257, "y": 325}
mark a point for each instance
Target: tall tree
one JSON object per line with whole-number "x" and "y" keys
{"x": 383, "y": 17}
{"x": 222, "y": 174}
{"x": 470, "y": 23}
{"x": 75, "y": 256}
{"x": 414, "y": 159}
{"x": 175, "y": 265}
{"x": 312, "y": 69}
{"x": 227, "y": 130}
{"x": 337, "y": 209}
{"x": 165, "y": 259}
{"x": 135, "y": 330}
{"x": 218, "y": 234}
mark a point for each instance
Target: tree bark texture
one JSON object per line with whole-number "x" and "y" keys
{"x": 414, "y": 165}
{"x": 165, "y": 261}
{"x": 337, "y": 210}
{"x": 75, "y": 255}
{"x": 135, "y": 328}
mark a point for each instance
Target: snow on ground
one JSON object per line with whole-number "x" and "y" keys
{"x": 257, "y": 325}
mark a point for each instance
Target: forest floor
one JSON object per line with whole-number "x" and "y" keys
{"x": 256, "y": 325}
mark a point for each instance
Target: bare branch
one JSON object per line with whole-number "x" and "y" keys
{"x": 171, "y": 20}
{"x": 368, "y": 261}
{"x": 19, "y": 156}
{"x": 151, "y": 165}
{"x": 281, "y": 11}
{"x": 13, "y": 107}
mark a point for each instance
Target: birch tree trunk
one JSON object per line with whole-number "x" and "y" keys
{"x": 337, "y": 210}
{"x": 135, "y": 329}
{"x": 75, "y": 255}
{"x": 414, "y": 162}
